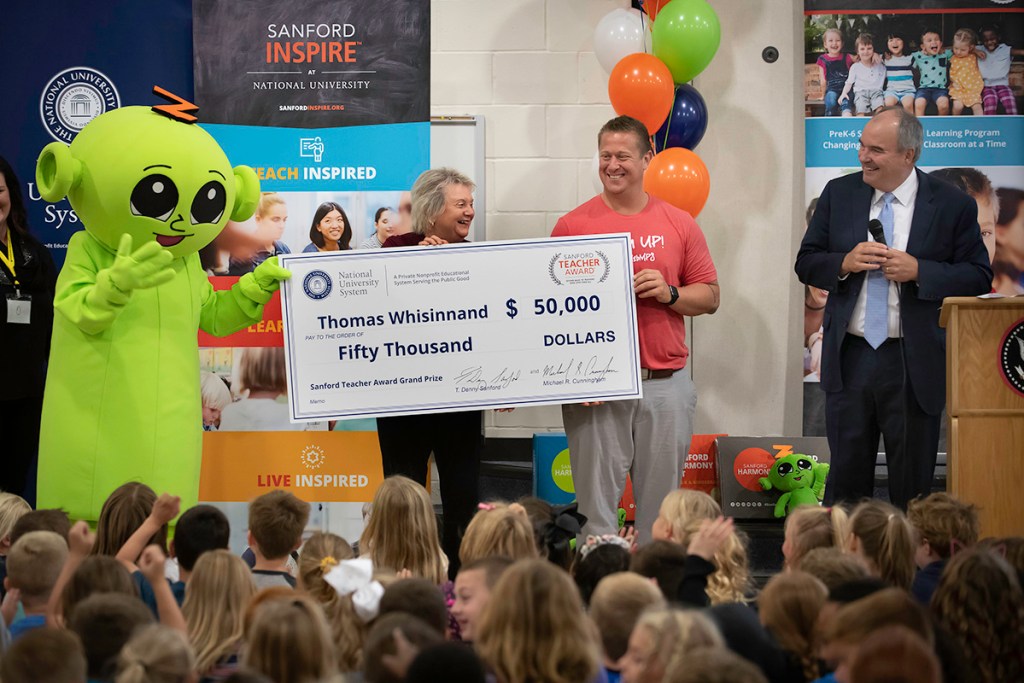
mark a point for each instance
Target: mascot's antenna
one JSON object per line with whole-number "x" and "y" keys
{"x": 180, "y": 109}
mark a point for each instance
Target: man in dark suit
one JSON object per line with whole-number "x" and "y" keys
{"x": 883, "y": 354}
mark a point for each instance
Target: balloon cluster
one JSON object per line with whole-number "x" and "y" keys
{"x": 650, "y": 55}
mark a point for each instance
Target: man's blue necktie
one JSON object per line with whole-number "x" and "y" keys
{"x": 876, "y": 312}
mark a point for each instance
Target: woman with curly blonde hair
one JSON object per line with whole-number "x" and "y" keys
{"x": 402, "y": 531}
{"x": 810, "y": 527}
{"x": 534, "y": 628}
{"x": 789, "y": 606}
{"x": 322, "y": 553}
{"x": 979, "y": 602}
{"x": 679, "y": 519}
{"x": 218, "y": 593}
{"x": 498, "y": 530}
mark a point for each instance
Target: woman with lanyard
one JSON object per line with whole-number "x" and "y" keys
{"x": 27, "y": 281}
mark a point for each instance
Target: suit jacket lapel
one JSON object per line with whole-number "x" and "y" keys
{"x": 858, "y": 224}
{"x": 924, "y": 213}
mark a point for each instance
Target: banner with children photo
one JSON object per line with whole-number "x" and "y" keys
{"x": 956, "y": 64}
{"x": 329, "y": 103}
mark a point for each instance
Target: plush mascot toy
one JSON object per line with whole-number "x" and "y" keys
{"x": 801, "y": 480}
{"x": 122, "y": 398}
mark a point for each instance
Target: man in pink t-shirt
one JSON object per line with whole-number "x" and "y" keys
{"x": 673, "y": 276}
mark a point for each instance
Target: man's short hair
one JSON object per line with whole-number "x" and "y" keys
{"x": 44, "y": 655}
{"x": 418, "y": 597}
{"x": 627, "y": 124}
{"x": 909, "y": 132}
{"x": 105, "y": 622}
{"x": 199, "y": 529}
{"x": 34, "y": 562}
{"x": 276, "y": 521}
{"x": 42, "y": 520}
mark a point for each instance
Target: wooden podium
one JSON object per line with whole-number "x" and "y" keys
{"x": 986, "y": 414}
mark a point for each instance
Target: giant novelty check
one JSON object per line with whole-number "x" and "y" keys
{"x": 459, "y": 327}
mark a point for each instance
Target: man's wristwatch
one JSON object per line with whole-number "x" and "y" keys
{"x": 675, "y": 295}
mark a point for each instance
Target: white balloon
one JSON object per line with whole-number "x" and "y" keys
{"x": 595, "y": 173}
{"x": 621, "y": 32}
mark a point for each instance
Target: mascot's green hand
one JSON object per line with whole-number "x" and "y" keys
{"x": 269, "y": 274}
{"x": 148, "y": 266}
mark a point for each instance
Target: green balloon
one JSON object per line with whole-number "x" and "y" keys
{"x": 685, "y": 36}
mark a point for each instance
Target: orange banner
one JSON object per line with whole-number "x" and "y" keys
{"x": 343, "y": 467}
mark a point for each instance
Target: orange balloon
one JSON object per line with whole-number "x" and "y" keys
{"x": 679, "y": 177}
{"x": 641, "y": 86}
{"x": 653, "y": 6}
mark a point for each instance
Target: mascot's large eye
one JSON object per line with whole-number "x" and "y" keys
{"x": 784, "y": 469}
{"x": 155, "y": 196}
{"x": 208, "y": 206}
{"x": 804, "y": 464}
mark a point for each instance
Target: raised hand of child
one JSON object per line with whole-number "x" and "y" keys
{"x": 710, "y": 537}
{"x": 405, "y": 652}
{"x": 80, "y": 539}
{"x": 628, "y": 534}
{"x": 165, "y": 508}
{"x": 151, "y": 564}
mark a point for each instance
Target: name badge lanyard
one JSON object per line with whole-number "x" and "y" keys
{"x": 8, "y": 261}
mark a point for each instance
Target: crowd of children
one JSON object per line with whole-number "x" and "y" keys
{"x": 866, "y": 595}
{"x": 973, "y": 74}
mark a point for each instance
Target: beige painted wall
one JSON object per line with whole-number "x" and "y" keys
{"x": 528, "y": 67}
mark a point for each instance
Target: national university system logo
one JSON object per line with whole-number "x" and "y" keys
{"x": 73, "y": 98}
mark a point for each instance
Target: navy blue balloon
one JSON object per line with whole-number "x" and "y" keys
{"x": 685, "y": 126}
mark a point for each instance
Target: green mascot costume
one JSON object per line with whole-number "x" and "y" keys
{"x": 122, "y": 400}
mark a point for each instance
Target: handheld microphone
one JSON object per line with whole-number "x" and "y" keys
{"x": 875, "y": 228}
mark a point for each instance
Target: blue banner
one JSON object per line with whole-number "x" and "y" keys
{"x": 68, "y": 63}
{"x": 948, "y": 141}
{"x": 329, "y": 159}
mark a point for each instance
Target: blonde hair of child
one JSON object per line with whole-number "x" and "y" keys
{"x": 290, "y": 642}
{"x": 155, "y": 654}
{"x": 219, "y": 590}
{"x": 498, "y": 530}
{"x": 214, "y": 391}
{"x": 34, "y": 563}
{"x": 831, "y": 30}
{"x": 944, "y": 521}
{"x": 887, "y": 541}
{"x": 810, "y": 527}
{"x": 268, "y": 200}
{"x": 615, "y": 606}
{"x": 789, "y": 606}
{"x": 402, "y": 531}
{"x": 684, "y": 510}
{"x": 12, "y": 507}
{"x": 675, "y": 633}
{"x": 965, "y": 36}
{"x": 534, "y": 629}
{"x": 320, "y": 554}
